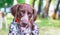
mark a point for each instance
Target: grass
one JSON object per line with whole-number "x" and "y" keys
{"x": 49, "y": 23}
{"x": 4, "y": 32}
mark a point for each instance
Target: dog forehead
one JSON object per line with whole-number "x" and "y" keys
{"x": 26, "y": 7}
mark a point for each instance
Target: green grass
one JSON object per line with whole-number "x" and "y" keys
{"x": 48, "y": 23}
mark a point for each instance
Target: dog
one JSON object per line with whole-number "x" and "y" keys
{"x": 24, "y": 20}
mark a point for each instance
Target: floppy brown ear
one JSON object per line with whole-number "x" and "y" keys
{"x": 14, "y": 9}
{"x": 34, "y": 14}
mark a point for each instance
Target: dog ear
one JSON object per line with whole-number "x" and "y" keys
{"x": 34, "y": 14}
{"x": 14, "y": 9}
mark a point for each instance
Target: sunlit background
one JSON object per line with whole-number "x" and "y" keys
{"x": 48, "y": 15}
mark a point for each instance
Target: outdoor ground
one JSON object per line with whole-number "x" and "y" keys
{"x": 46, "y": 26}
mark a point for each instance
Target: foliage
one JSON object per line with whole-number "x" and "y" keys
{"x": 21, "y": 1}
{"x": 2, "y": 3}
{"x": 9, "y": 2}
{"x": 31, "y": 2}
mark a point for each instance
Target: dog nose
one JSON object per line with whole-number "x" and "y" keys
{"x": 25, "y": 18}
{"x": 25, "y": 21}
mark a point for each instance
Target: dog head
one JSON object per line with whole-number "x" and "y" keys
{"x": 24, "y": 12}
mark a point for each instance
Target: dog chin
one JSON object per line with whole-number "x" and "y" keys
{"x": 22, "y": 28}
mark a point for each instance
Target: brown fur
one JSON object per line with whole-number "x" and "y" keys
{"x": 19, "y": 10}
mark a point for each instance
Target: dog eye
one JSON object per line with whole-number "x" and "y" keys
{"x": 23, "y": 11}
{"x": 29, "y": 14}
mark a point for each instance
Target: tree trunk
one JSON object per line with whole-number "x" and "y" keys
{"x": 5, "y": 9}
{"x": 39, "y": 6}
{"x": 55, "y": 15}
{"x": 46, "y": 9}
{"x": 33, "y": 3}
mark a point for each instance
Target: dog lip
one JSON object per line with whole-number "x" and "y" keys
{"x": 24, "y": 23}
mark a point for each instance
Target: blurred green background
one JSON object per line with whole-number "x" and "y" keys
{"x": 48, "y": 15}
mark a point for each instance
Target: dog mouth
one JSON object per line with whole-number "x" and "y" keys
{"x": 23, "y": 24}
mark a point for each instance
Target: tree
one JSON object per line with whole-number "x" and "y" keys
{"x": 45, "y": 11}
{"x": 9, "y": 2}
{"x": 39, "y": 6}
{"x": 2, "y": 3}
{"x": 5, "y": 3}
{"x": 55, "y": 16}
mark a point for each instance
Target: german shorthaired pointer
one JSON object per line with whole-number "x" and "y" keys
{"x": 24, "y": 20}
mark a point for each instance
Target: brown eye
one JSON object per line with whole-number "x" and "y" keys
{"x": 23, "y": 11}
{"x": 29, "y": 14}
